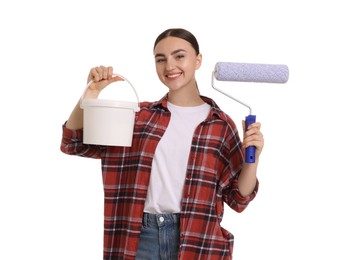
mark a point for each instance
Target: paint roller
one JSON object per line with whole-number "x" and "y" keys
{"x": 249, "y": 72}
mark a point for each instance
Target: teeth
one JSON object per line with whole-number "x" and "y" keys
{"x": 173, "y": 75}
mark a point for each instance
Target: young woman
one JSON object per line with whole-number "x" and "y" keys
{"x": 164, "y": 195}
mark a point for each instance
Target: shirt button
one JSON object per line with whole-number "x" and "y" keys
{"x": 161, "y": 219}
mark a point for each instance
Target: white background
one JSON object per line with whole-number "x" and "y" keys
{"x": 52, "y": 204}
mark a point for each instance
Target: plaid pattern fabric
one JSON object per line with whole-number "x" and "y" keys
{"x": 214, "y": 164}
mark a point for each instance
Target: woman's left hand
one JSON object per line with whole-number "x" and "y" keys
{"x": 253, "y": 137}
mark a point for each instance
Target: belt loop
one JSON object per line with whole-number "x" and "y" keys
{"x": 145, "y": 220}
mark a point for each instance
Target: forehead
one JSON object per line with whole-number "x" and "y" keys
{"x": 170, "y": 44}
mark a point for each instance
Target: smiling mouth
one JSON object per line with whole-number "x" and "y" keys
{"x": 173, "y": 76}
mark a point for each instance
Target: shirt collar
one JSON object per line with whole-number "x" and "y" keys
{"x": 163, "y": 102}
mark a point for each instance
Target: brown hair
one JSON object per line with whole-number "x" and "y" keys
{"x": 179, "y": 33}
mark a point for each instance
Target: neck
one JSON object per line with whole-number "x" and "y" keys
{"x": 184, "y": 98}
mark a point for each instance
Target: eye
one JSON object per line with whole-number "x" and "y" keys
{"x": 179, "y": 57}
{"x": 160, "y": 60}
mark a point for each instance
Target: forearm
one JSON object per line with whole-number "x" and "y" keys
{"x": 75, "y": 120}
{"x": 247, "y": 179}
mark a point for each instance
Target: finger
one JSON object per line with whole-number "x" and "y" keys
{"x": 255, "y": 125}
{"x": 252, "y": 132}
{"x": 93, "y": 75}
{"x": 97, "y": 74}
{"x": 102, "y": 73}
{"x": 255, "y": 137}
{"x": 257, "y": 144}
{"x": 110, "y": 72}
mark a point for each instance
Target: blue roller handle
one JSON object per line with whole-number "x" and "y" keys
{"x": 250, "y": 151}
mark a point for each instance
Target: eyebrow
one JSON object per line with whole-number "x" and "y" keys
{"x": 172, "y": 53}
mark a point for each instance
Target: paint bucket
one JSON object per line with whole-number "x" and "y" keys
{"x": 109, "y": 122}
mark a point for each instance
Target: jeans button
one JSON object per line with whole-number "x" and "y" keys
{"x": 161, "y": 219}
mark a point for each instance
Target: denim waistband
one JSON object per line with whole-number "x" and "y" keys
{"x": 161, "y": 219}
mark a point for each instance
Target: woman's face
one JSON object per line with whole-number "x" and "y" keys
{"x": 176, "y": 62}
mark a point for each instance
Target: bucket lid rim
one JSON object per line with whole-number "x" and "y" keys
{"x": 109, "y": 103}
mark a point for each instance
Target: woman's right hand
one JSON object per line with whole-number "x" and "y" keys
{"x": 101, "y": 77}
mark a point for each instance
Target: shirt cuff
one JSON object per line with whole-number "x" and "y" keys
{"x": 244, "y": 200}
{"x": 70, "y": 134}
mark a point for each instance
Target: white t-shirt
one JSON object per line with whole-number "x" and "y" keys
{"x": 169, "y": 164}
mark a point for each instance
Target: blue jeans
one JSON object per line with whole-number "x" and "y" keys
{"x": 160, "y": 237}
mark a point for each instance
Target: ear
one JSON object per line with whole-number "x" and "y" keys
{"x": 198, "y": 61}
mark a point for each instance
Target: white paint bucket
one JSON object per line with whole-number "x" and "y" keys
{"x": 109, "y": 122}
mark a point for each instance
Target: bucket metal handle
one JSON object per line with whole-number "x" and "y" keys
{"x": 115, "y": 75}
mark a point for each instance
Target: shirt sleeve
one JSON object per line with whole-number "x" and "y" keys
{"x": 239, "y": 202}
{"x": 72, "y": 144}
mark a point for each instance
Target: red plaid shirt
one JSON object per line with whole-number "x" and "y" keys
{"x": 214, "y": 164}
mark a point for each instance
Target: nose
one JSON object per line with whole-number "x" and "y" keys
{"x": 170, "y": 65}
